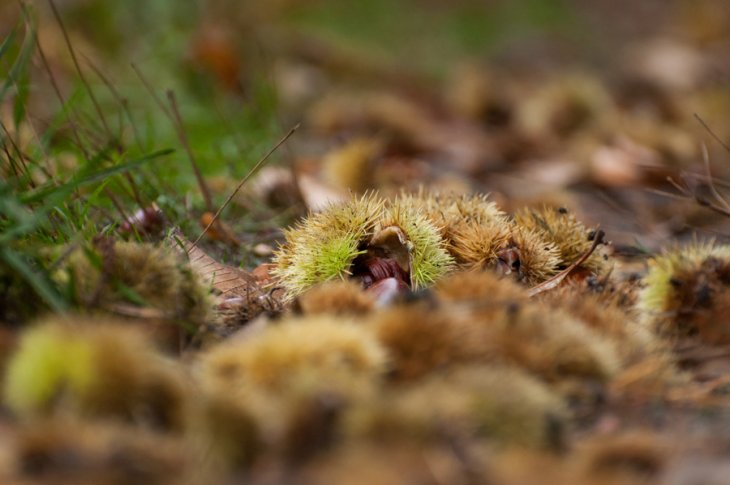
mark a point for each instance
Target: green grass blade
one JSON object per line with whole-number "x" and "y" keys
{"x": 38, "y": 280}
{"x": 21, "y": 98}
{"x": 53, "y": 196}
{"x": 21, "y": 62}
{"x": 7, "y": 43}
{"x": 76, "y": 182}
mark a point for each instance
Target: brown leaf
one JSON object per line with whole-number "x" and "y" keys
{"x": 228, "y": 280}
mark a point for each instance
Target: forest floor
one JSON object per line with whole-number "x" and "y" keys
{"x": 169, "y": 178}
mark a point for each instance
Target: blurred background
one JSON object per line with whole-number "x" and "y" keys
{"x": 589, "y": 104}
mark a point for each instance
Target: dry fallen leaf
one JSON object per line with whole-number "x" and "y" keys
{"x": 227, "y": 280}
{"x": 241, "y": 294}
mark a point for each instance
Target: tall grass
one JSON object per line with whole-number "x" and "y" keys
{"x": 102, "y": 153}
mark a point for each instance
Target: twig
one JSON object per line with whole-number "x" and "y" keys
{"x": 161, "y": 105}
{"x": 18, "y": 153}
{"x": 79, "y": 71}
{"x": 98, "y": 139}
{"x": 665, "y": 194}
{"x": 11, "y": 161}
{"x": 41, "y": 147}
{"x": 180, "y": 128}
{"x": 64, "y": 107}
{"x": 714, "y": 207}
{"x": 683, "y": 190}
{"x": 132, "y": 122}
{"x": 119, "y": 144}
{"x": 703, "y": 177}
{"x": 176, "y": 120}
{"x": 116, "y": 204}
{"x": 245, "y": 179}
{"x": 152, "y": 92}
{"x": 558, "y": 278}
{"x": 124, "y": 105}
{"x": 123, "y": 102}
{"x": 112, "y": 90}
{"x": 701, "y": 200}
{"x": 712, "y": 133}
{"x": 711, "y": 180}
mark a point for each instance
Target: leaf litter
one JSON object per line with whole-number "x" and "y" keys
{"x": 514, "y": 272}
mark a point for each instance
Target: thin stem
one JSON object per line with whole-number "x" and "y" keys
{"x": 245, "y": 179}
{"x": 79, "y": 71}
{"x": 180, "y": 128}
{"x": 57, "y": 90}
{"x": 712, "y": 133}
